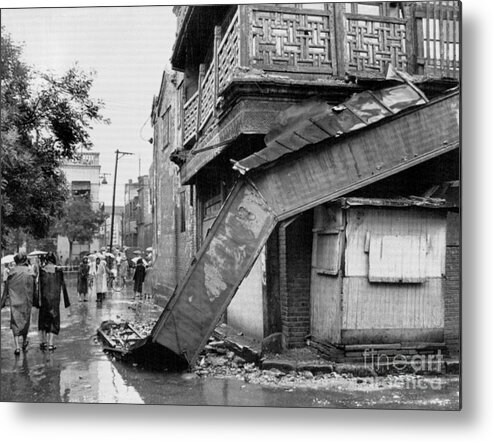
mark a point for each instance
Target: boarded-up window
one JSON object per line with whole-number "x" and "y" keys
{"x": 327, "y": 253}
{"x": 397, "y": 258}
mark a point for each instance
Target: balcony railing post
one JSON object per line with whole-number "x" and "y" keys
{"x": 340, "y": 39}
{"x": 217, "y": 42}
{"x": 412, "y": 46}
{"x": 244, "y": 37}
{"x": 199, "y": 99}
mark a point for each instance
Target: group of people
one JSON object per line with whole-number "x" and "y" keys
{"x": 40, "y": 286}
{"x": 97, "y": 274}
{"x": 93, "y": 275}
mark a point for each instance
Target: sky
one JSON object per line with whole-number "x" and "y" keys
{"x": 128, "y": 47}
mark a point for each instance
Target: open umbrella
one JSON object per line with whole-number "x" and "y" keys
{"x": 37, "y": 253}
{"x": 110, "y": 254}
{"x": 7, "y": 259}
{"x": 137, "y": 258}
{"x": 149, "y": 249}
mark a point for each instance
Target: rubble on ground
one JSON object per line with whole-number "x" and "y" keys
{"x": 121, "y": 335}
{"x": 303, "y": 369}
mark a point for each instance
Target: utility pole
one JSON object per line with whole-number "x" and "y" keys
{"x": 119, "y": 154}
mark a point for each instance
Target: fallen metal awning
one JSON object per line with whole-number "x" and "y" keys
{"x": 315, "y": 121}
{"x": 284, "y": 187}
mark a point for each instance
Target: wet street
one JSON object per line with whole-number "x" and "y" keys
{"x": 79, "y": 371}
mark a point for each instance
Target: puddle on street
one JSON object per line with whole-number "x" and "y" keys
{"x": 79, "y": 371}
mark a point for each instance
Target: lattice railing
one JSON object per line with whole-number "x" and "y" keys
{"x": 207, "y": 100}
{"x": 229, "y": 53}
{"x": 438, "y": 31}
{"x": 190, "y": 111}
{"x": 291, "y": 40}
{"x": 373, "y": 42}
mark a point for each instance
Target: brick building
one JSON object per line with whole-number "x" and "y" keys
{"x": 238, "y": 106}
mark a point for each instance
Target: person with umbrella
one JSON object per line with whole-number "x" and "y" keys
{"x": 20, "y": 290}
{"x": 82, "y": 279}
{"x": 139, "y": 277}
{"x": 52, "y": 283}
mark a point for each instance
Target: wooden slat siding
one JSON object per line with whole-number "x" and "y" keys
{"x": 325, "y": 300}
{"x": 325, "y": 290}
{"x": 331, "y": 169}
{"x": 401, "y": 306}
{"x": 390, "y": 221}
{"x": 227, "y": 254}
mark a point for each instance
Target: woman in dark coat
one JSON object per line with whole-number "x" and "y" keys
{"x": 20, "y": 292}
{"x": 51, "y": 283}
{"x": 82, "y": 279}
{"x": 139, "y": 277}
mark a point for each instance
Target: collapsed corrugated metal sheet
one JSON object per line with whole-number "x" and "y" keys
{"x": 315, "y": 121}
{"x": 262, "y": 199}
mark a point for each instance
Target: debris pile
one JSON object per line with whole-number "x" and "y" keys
{"x": 119, "y": 336}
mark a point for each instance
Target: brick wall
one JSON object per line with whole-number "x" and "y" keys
{"x": 295, "y": 250}
{"x": 452, "y": 299}
{"x": 173, "y": 248}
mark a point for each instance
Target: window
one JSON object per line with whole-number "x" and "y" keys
{"x": 397, "y": 258}
{"x": 165, "y": 129}
{"x": 438, "y": 33}
{"x": 81, "y": 189}
{"x": 388, "y": 9}
{"x": 183, "y": 226}
{"x": 327, "y": 253}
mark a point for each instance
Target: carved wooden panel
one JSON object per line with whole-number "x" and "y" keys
{"x": 291, "y": 40}
{"x": 373, "y": 43}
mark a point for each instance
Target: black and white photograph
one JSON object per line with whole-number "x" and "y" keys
{"x": 233, "y": 205}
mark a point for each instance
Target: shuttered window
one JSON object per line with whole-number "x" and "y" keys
{"x": 327, "y": 253}
{"x": 397, "y": 259}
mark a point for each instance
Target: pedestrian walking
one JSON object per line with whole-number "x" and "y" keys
{"x": 83, "y": 279}
{"x": 139, "y": 277}
{"x": 20, "y": 292}
{"x": 52, "y": 283}
{"x": 101, "y": 279}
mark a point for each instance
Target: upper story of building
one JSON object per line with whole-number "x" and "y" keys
{"x": 83, "y": 176}
{"x": 230, "y": 54}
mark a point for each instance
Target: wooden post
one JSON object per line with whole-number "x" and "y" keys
{"x": 245, "y": 34}
{"x": 340, "y": 39}
{"x": 411, "y": 38}
{"x": 217, "y": 42}
{"x": 199, "y": 99}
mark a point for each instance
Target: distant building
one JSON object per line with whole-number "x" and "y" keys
{"x": 137, "y": 214}
{"x": 82, "y": 175}
{"x": 144, "y": 214}
{"x": 105, "y": 230}
{"x": 130, "y": 215}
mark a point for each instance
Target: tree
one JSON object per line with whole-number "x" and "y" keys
{"x": 45, "y": 119}
{"x": 80, "y": 222}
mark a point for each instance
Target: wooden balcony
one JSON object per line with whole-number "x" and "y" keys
{"x": 271, "y": 42}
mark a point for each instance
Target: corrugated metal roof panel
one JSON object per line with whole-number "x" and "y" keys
{"x": 315, "y": 121}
